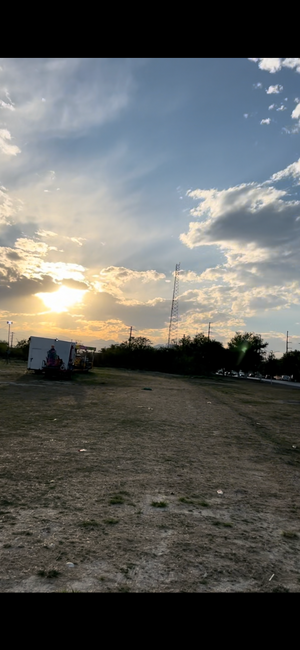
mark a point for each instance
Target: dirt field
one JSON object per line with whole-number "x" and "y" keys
{"x": 139, "y": 482}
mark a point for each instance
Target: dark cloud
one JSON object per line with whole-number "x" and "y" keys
{"x": 104, "y": 306}
{"x": 13, "y": 256}
{"x": 74, "y": 284}
{"x": 25, "y": 287}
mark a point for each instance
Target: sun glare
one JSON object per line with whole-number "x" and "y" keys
{"x": 62, "y": 299}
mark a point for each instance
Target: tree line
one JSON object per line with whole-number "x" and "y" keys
{"x": 197, "y": 355}
{"x": 201, "y": 355}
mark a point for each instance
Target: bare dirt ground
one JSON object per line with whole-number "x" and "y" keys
{"x": 184, "y": 484}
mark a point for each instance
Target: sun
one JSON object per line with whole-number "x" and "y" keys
{"x": 61, "y": 300}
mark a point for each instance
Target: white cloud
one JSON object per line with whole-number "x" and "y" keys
{"x": 292, "y": 170}
{"x": 46, "y": 233}
{"x": 119, "y": 275}
{"x": 5, "y": 147}
{"x": 274, "y": 89}
{"x": 292, "y": 63}
{"x": 281, "y": 108}
{"x": 296, "y": 112}
{"x": 31, "y": 246}
{"x": 257, "y": 228}
{"x": 272, "y": 106}
{"x": 271, "y": 65}
{"x": 266, "y": 121}
{"x": 274, "y": 65}
{"x": 246, "y": 115}
{"x": 5, "y": 105}
{"x": 254, "y": 215}
{"x": 258, "y": 85}
{"x": 78, "y": 240}
{"x": 98, "y": 90}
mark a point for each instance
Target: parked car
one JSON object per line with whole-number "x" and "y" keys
{"x": 286, "y": 378}
{"x": 241, "y": 374}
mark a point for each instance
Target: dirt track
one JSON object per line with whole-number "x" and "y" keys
{"x": 140, "y": 509}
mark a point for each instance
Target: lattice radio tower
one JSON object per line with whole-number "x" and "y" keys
{"x": 173, "y": 327}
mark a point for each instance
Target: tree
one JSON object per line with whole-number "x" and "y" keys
{"x": 247, "y": 351}
{"x": 138, "y": 343}
{"x": 21, "y": 349}
{"x": 290, "y": 364}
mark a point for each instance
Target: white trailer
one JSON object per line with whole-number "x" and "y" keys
{"x": 38, "y": 354}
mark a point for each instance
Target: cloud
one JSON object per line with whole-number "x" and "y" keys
{"x": 274, "y": 89}
{"x": 296, "y": 112}
{"x": 292, "y": 63}
{"x": 5, "y": 147}
{"x": 257, "y": 229}
{"x": 46, "y": 233}
{"x": 281, "y": 108}
{"x": 271, "y": 107}
{"x": 266, "y": 121}
{"x": 6, "y": 105}
{"x": 119, "y": 275}
{"x": 274, "y": 65}
{"x": 81, "y": 93}
{"x": 271, "y": 65}
{"x": 292, "y": 171}
{"x": 258, "y": 85}
{"x": 248, "y": 213}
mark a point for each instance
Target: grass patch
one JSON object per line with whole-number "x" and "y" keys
{"x": 22, "y": 532}
{"x": 52, "y": 573}
{"x": 111, "y": 521}
{"x": 159, "y": 504}
{"x": 117, "y": 499}
{"x": 193, "y": 501}
{"x": 226, "y": 524}
{"x": 89, "y": 523}
{"x": 289, "y": 534}
{"x": 185, "y": 500}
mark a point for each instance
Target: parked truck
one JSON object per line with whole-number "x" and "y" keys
{"x": 53, "y": 357}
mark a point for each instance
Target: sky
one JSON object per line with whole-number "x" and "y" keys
{"x": 112, "y": 171}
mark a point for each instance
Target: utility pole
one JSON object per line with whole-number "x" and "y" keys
{"x": 208, "y": 335}
{"x": 130, "y": 335}
{"x": 287, "y": 343}
{"x": 12, "y": 338}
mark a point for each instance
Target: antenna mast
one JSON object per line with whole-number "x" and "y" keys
{"x": 173, "y": 327}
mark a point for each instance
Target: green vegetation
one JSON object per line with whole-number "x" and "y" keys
{"x": 159, "y": 504}
{"x": 198, "y": 355}
{"x": 90, "y": 523}
{"x": 194, "y": 500}
{"x": 289, "y": 534}
{"x": 117, "y": 499}
{"x": 52, "y": 573}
